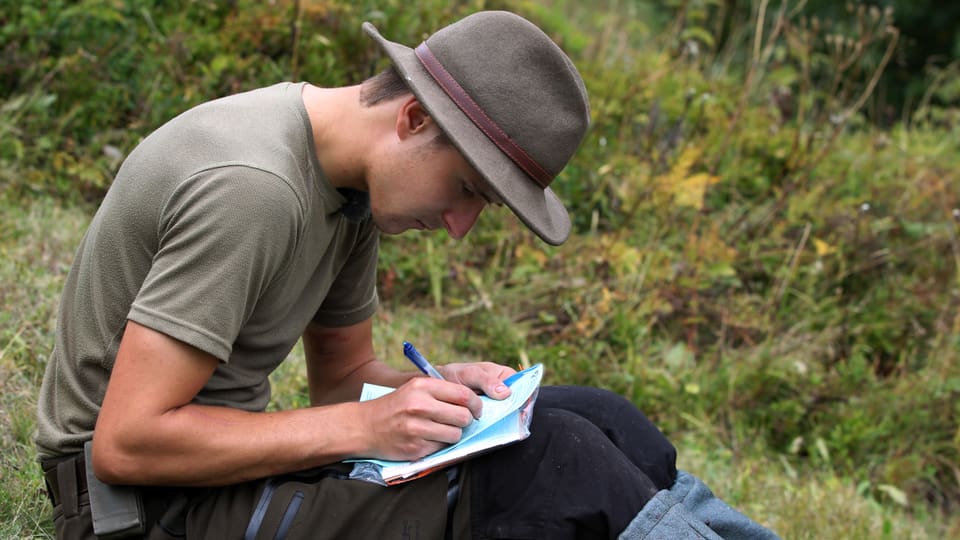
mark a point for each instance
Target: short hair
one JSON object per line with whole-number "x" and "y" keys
{"x": 387, "y": 85}
{"x": 384, "y": 86}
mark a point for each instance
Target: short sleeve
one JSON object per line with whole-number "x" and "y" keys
{"x": 223, "y": 236}
{"x": 352, "y": 297}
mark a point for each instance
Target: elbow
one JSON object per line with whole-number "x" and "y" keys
{"x": 112, "y": 464}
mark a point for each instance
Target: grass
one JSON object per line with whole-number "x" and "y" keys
{"x": 803, "y": 504}
{"x": 777, "y": 285}
{"x": 37, "y": 244}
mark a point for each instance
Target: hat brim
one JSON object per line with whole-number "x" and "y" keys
{"x": 538, "y": 208}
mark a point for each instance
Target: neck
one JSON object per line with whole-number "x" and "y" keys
{"x": 342, "y": 130}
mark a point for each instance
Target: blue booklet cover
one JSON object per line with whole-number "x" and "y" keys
{"x": 503, "y": 422}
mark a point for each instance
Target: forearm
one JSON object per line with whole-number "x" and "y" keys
{"x": 347, "y": 387}
{"x": 341, "y": 359}
{"x": 150, "y": 432}
{"x": 200, "y": 445}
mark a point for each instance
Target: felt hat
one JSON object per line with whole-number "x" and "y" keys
{"x": 510, "y": 100}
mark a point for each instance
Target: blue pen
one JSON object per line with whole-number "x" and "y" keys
{"x": 414, "y": 355}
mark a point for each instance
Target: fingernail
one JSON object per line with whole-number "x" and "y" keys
{"x": 500, "y": 389}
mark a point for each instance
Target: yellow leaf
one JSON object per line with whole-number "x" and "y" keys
{"x": 603, "y": 306}
{"x": 683, "y": 164}
{"x": 691, "y": 189}
{"x": 523, "y": 251}
{"x": 822, "y": 247}
{"x": 687, "y": 189}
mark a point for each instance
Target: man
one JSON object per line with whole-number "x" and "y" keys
{"x": 251, "y": 221}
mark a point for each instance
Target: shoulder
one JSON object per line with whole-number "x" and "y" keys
{"x": 236, "y": 197}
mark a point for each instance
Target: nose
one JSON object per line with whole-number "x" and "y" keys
{"x": 460, "y": 219}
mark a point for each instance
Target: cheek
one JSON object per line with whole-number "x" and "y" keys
{"x": 421, "y": 183}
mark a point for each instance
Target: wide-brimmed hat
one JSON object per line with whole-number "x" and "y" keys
{"x": 510, "y": 100}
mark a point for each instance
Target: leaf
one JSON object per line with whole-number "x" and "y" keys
{"x": 822, "y": 449}
{"x": 678, "y": 356}
{"x": 700, "y": 35}
{"x": 895, "y": 493}
{"x": 692, "y": 189}
{"x": 822, "y": 247}
{"x": 624, "y": 258}
{"x": 687, "y": 189}
{"x": 721, "y": 270}
{"x": 788, "y": 469}
{"x": 683, "y": 164}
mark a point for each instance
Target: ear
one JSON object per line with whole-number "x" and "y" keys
{"x": 412, "y": 119}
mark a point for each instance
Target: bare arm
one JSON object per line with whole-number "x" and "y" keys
{"x": 341, "y": 359}
{"x": 148, "y": 431}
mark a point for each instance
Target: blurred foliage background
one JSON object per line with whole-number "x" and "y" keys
{"x": 766, "y": 210}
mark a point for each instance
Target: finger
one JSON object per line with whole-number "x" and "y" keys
{"x": 420, "y": 439}
{"x": 458, "y": 416}
{"x": 445, "y": 434}
{"x": 431, "y": 435}
{"x": 442, "y": 401}
{"x": 462, "y": 397}
{"x": 412, "y": 424}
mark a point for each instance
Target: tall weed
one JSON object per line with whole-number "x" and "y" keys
{"x": 752, "y": 261}
{"x": 751, "y": 257}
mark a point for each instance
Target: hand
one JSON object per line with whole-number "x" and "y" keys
{"x": 419, "y": 418}
{"x": 486, "y": 377}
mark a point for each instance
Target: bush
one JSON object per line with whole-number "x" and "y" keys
{"x": 751, "y": 258}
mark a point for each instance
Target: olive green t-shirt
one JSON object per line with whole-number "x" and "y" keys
{"x": 220, "y": 230}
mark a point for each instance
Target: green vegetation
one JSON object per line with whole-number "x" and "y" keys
{"x": 763, "y": 259}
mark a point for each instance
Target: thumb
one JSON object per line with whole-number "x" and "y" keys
{"x": 496, "y": 388}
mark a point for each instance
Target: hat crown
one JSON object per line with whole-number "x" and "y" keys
{"x": 521, "y": 79}
{"x": 510, "y": 100}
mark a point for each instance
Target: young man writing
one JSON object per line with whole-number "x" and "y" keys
{"x": 251, "y": 221}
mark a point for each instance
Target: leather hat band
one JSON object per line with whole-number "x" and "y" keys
{"x": 476, "y": 114}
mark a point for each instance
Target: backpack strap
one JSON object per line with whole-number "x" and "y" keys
{"x": 256, "y": 520}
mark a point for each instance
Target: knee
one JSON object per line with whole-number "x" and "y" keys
{"x": 565, "y": 432}
{"x": 607, "y": 409}
{"x": 588, "y": 399}
{"x": 559, "y": 422}
{"x": 625, "y": 417}
{"x": 620, "y": 420}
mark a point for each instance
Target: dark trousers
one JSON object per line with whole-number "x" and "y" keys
{"x": 591, "y": 463}
{"x": 67, "y": 490}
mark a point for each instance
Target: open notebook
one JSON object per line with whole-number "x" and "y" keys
{"x": 502, "y": 422}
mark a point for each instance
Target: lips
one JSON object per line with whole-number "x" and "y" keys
{"x": 427, "y": 226}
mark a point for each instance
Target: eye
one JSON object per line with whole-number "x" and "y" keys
{"x": 469, "y": 191}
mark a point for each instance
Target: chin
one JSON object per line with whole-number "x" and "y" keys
{"x": 389, "y": 228}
